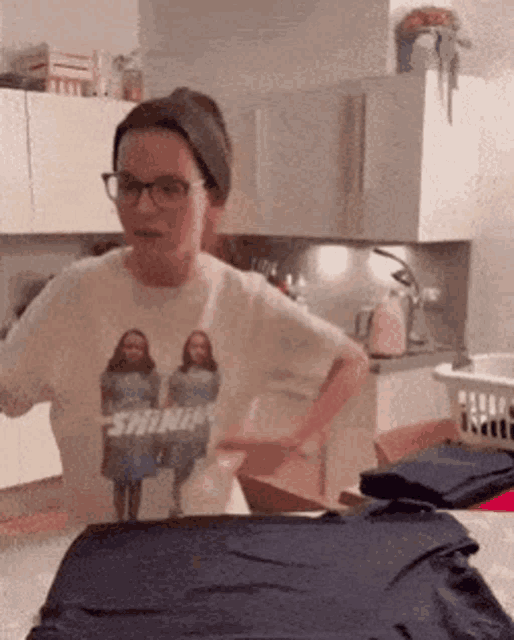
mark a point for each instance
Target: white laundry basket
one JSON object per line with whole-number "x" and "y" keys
{"x": 482, "y": 399}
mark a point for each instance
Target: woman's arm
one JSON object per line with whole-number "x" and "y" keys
{"x": 106, "y": 386}
{"x": 345, "y": 380}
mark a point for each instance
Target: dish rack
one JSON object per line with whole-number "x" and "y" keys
{"x": 482, "y": 399}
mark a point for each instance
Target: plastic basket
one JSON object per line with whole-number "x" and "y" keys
{"x": 482, "y": 399}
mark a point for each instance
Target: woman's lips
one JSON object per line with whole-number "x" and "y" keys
{"x": 148, "y": 233}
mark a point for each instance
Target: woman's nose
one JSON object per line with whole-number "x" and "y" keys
{"x": 145, "y": 204}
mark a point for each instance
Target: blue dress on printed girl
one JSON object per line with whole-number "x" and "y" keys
{"x": 129, "y": 459}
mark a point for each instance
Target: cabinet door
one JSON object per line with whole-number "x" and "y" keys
{"x": 350, "y": 449}
{"x": 71, "y": 142}
{"x": 15, "y": 192}
{"x": 310, "y": 159}
{"x": 38, "y": 453}
{"x": 244, "y": 212}
{"x": 421, "y": 170}
{"x": 10, "y": 448}
{"x": 393, "y": 160}
{"x": 29, "y": 450}
{"x": 409, "y": 397}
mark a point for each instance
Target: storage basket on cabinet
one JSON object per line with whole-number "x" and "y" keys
{"x": 482, "y": 399}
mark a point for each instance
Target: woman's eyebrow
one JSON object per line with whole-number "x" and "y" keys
{"x": 170, "y": 176}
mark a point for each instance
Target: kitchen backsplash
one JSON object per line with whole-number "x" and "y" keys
{"x": 341, "y": 279}
{"x": 337, "y": 280}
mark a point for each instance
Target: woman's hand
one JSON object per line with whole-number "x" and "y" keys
{"x": 345, "y": 380}
{"x": 210, "y": 492}
{"x": 263, "y": 458}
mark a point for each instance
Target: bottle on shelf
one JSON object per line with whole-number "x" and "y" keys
{"x": 388, "y": 334}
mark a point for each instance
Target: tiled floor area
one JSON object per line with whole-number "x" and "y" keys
{"x": 28, "y": 562}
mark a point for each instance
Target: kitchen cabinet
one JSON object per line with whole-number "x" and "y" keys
{"x": 15, "y": 192}
{"x": 32, "y": 452}
{"x": 244, "y": 211}
{"x": 70, "y": 145}
{"x": 373, "y": 159}
{"x": 304, "y": 162}
{"x": 420, "y": 172}
{"x": 387, "y": 401}
{"x": 287, "y": 161}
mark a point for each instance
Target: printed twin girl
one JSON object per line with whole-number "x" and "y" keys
{"x": 130, "y": 383}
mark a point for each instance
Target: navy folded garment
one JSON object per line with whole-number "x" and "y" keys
{"x": 447, "y": 476}
{"x": 389, "y": 573}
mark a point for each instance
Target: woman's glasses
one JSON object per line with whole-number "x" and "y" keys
{"x": 165, "y": 191}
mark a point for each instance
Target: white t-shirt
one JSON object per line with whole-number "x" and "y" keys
{"x": 264, "y": 346}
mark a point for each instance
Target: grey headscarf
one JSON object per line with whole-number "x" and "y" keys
{"x": 198, "y": 119}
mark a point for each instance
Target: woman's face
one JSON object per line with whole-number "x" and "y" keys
{"x": 134, "y": 348}
{"x": 198, "y": 349}
{"x": 164, "y": 256}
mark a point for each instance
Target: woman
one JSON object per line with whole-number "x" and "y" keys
{"x": 129, "y": 383}
{"x": 195, "y": 384}
{"x": 170, "y": 183}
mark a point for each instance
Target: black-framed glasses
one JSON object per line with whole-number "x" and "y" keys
{"x": 165, "y": 191}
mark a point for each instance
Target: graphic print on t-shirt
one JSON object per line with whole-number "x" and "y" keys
{"x": 141, "y": 437}
{"x": 192, "y": 392}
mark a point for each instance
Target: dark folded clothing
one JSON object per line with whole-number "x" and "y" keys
{"x": 393, "y": 571}
{"x": 448, "y": 476}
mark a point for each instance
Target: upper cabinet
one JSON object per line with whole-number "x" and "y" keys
{"x": 420, "y": 171}
{"x": 375, "y": 159}
{"x": 71, "y": 141}
{"x": 287, "y": 164}
{"x": 15, "y": 194}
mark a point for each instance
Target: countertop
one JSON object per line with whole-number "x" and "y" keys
{"x": 413, "y": 361}
{"x": 418, "y": 358}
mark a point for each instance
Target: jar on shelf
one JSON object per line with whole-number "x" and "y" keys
{"x": 132, "y": 82}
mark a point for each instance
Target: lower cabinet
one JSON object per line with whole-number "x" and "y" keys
{"x": 387, "y": 401}
{"x": 29, "y": 449}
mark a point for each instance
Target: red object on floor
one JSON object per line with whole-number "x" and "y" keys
{"x": 505, "y": 502}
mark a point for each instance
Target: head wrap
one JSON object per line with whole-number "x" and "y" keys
{"x": 198, "y": 119}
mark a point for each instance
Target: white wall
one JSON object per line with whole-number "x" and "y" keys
{"x": 233, "y": 48}
{"x": 491, "y": 295}
{"x": 76, "y": 27}
{"x": 490, "y": 26}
